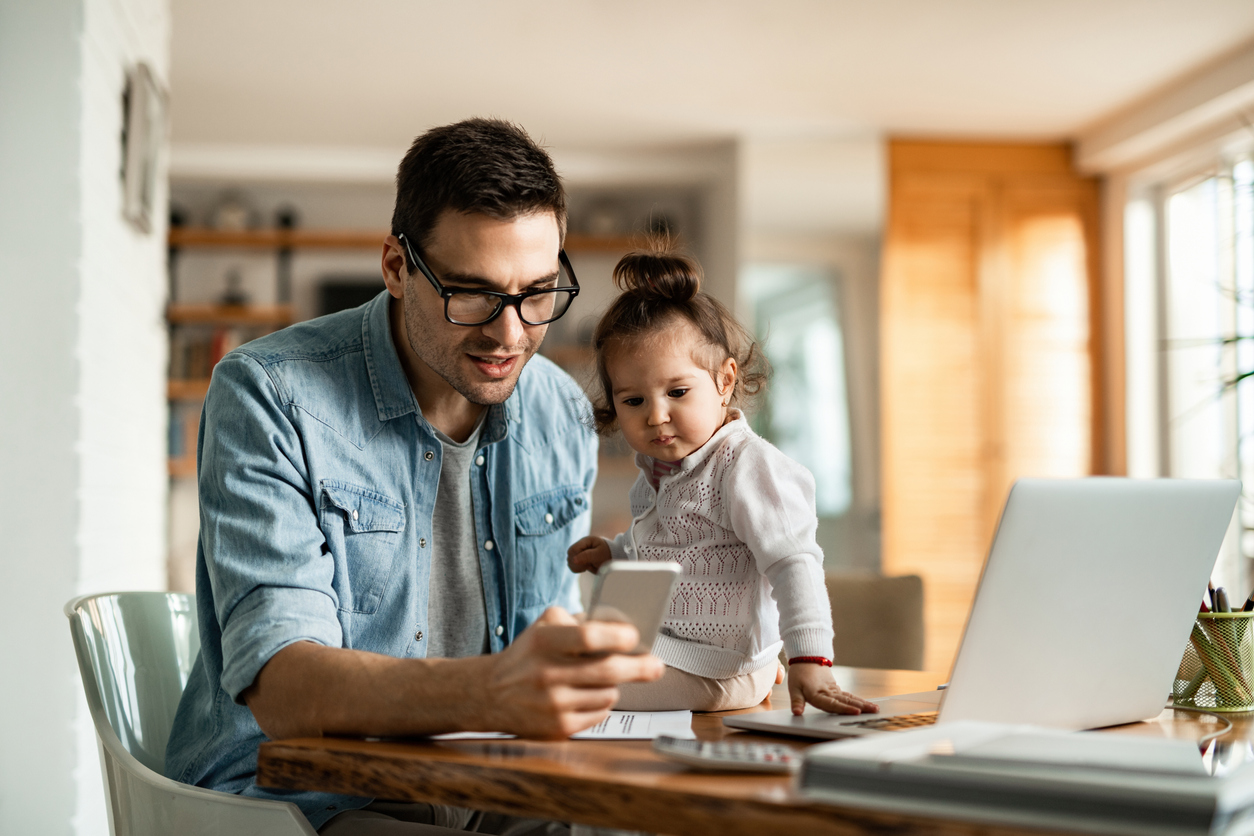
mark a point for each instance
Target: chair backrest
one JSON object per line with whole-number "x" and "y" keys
{"x": 878, "y": 620}
{"x": 135, "y": 653}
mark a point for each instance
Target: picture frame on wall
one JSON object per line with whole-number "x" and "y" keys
{"x": 143, "y": 129}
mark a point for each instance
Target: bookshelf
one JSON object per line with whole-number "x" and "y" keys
{"x": 200, "y": 334}
{"x": 278, "y": 239}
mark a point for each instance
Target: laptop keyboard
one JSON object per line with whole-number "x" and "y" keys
{"x": 898, "y": 723}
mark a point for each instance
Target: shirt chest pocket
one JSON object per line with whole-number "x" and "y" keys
{"x": 364, "y": 530}
{"x": 542, "y": 535}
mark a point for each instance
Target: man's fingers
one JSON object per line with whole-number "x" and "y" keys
{"x": 608, "y": 670}
{"x": 590, "y": 638}
{"x": 555, "y": 617}
{"x": 569, "y": 700}
{"x": 577, "y": 722}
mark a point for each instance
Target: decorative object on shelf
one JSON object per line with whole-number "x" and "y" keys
{"x": 235, "y": 293}
{"x": 605, "y": 218}
{"x": 286, "y": 218}
{"x": 234, "y": 212}
{"x": 143, "y": 132}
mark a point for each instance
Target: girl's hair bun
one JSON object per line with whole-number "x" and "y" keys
{"x": 660, "y": 286}
{"x": 658, "y": 273}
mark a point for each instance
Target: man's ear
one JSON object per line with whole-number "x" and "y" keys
{"x": 394, "y": 272}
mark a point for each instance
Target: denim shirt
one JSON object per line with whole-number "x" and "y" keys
{"x": 317, "y": 478}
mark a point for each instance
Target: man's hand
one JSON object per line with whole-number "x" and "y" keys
{"x": 814, "y": 684}
{"x": 557, "y": 678}
{"x": 587, "y": 554}
{"x": 561, "y": 676}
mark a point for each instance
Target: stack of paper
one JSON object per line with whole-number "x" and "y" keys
{"x": 1023, "y": 775}
{"x": 620, "y": 725}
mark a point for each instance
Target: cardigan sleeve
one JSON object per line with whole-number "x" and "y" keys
{"x": 805, "y": 611}
{"x": 770, "y": 501}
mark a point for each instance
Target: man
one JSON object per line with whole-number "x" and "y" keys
{"x": 387, "y": 495}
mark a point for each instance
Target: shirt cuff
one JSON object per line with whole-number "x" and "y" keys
{"x": 617, "y": 550}
{"x": 268, "y": 620}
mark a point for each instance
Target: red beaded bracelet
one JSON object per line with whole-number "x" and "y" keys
{"x": 814, "y": 660}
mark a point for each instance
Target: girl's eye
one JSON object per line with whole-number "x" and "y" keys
{"x": 632, "y": 401}
{"x": 676, "y": 393}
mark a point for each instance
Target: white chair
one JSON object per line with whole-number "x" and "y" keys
{"x": 135, "y": 651}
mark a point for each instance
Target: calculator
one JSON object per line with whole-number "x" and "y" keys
{"x": 728, "y": 755}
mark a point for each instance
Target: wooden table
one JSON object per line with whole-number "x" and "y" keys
{"x": 623, "y": 784}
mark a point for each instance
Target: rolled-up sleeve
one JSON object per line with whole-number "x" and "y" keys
{"x": 267, "y": 559}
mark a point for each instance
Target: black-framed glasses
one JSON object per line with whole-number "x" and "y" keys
{"x": 479, "y": 307}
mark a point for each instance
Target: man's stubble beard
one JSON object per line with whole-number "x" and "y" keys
{"x": 449, "y": 364}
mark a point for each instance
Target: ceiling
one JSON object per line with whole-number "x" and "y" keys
{"x": 327, "y": 89}
{"x": 593, "y": 73}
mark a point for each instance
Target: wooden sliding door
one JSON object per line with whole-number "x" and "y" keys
{"x": 987, "y": 312}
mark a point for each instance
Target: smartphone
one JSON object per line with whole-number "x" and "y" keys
{"x": 635, "y": 592}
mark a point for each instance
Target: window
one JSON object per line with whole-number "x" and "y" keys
{"x": 1189, "y": 277}
{"x": 805, "y": 412}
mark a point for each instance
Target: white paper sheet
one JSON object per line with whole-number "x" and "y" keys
{"x": 640, "y": 725}
{"x": 620, "y": 725}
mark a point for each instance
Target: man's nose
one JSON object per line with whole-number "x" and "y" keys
{"x": 507, "y": 329}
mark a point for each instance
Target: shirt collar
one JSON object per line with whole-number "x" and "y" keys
{"x": 393, "y": 396}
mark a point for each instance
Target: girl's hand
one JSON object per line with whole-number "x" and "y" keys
{"x": 587, "y": 554}
{"x": 814, "y": 684}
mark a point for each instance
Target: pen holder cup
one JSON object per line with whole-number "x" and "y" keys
{"x": 1217, "y": 670}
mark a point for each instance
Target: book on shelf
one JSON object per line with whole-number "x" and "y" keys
{"x": 194, "y": 351}
{"x": 184, "y": 429}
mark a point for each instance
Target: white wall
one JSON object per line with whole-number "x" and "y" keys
{"x": 81, "y": 444}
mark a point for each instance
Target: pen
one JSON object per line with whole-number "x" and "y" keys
{"x": 1221, "y": 600}
{"x": 1210, "y": 590}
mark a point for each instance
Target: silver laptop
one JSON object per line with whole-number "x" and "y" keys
{"x": 1082, "y": 612}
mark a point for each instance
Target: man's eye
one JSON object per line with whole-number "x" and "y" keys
{"x": 676, "y": 393}
{"x": 632, "y": 401}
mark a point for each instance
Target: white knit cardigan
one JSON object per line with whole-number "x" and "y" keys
{"x": 738, "y": 515}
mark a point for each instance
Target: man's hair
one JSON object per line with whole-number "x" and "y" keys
{"x": 479, "y": 166}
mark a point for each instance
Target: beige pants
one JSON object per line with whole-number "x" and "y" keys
{"x": 395, "y": 818}
{"x": 678, "y": 690}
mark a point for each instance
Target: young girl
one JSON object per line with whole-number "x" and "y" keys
{"x": 713, "y": 496}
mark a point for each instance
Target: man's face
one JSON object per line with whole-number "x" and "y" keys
{"x": 481, "y": 362}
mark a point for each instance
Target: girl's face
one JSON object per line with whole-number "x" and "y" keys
{"x": 667, "y": 404}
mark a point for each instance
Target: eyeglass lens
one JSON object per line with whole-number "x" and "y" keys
{"x": 474, "y": 308}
